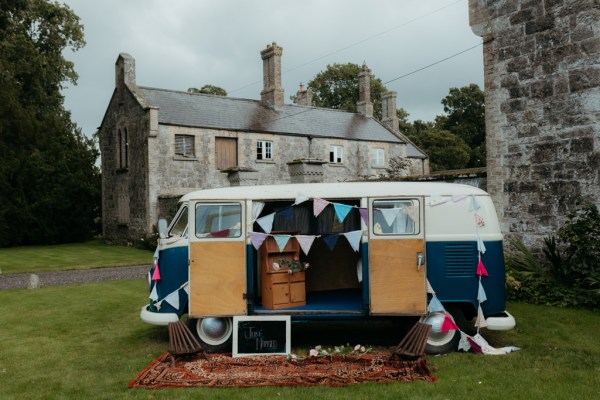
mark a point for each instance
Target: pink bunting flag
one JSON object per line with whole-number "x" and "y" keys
{"x": 448, "y": 324}
{"x": 481, "y": 268}
{"x": 319, "y": 205}
{"x": 257, "y": 239}
{"x": 364, "y": 215}
{"x": 156, "y": 274}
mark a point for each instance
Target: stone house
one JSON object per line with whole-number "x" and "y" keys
{"x": 158, "y": 144}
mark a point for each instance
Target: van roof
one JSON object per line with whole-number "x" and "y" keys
{"x": 336, "y": 190}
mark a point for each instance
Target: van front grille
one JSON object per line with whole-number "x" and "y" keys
{"x": 460, "y": 260}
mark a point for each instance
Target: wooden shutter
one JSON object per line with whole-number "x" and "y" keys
{"x": 184, "y": 145}
{"x": 225, "y": 152}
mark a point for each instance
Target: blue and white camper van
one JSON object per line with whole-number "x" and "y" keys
{"x": 355, "y": 251}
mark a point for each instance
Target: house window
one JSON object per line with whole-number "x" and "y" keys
{"x": 264, "y": 150}
{"x": 336, "y": 155}
{"x": 225, "y": 152}
{"x": 184, "y": 146}
{"x": 378, "y": 156}
{"x": 122, "y": 149}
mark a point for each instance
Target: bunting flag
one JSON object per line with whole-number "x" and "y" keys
{"x": 480, "y": 345}
{"x": 156, "y": 255}
{"x": 354, "y": 239}
{"x": 257, "y": 239}
{"x": 429, "y": 287}
{"x": 257, "y": 207}
{"x": 481, "y": 268}
{"x": 389, "y": 214}
{"x": 435, "y": 305}
{"x": 436, "y": 200}
{"x": 154, "y": 294}
{"x": 480, "y": 245}
{"x": 281, "y": 241}
{"x": 300, "y": 198}
{"x": 458, "y": 197}
{"x": 286, "y": 213}
{"x": 305, "y": 242}
{"x": 341, "y": 211}
{"x": 186, "y": 287}
{"x": 481, "y": 296}
{"x": 412, "y": 212}
{"x": 480, "y": 320}
{"x": 266, "y": 222}
{"x": 330, "y": 241}
{"x": 448, "y": 325}
{"x": 364, "y": 215}
{"x": 156, "y": 274}
{"x": 474, "y": 204}
{"x": 173, "y": 299}
{"x": 463, "y": 343}
{"x": 318, "y": 206}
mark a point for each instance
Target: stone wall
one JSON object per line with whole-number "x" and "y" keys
{"x": 542, "y": 97}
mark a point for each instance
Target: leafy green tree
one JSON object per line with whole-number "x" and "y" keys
{"x": 209, "y": 89}
{"x": 337, "y": 88}
{"x": 49, "y": 181}
{"x": 445, "y": 150}
{"x": 465, "y": 109}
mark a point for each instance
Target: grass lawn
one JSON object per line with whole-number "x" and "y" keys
{"x": 86, "y": 341}
{"x": 92, "y": 254}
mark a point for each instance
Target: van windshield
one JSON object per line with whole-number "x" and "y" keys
{"x": 179, "y": 226}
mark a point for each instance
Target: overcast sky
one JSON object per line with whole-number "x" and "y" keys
{"x": 178, "y": 44}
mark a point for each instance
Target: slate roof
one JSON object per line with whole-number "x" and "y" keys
{"x": 219, "y": 112}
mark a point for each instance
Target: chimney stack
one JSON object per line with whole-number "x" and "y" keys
{"x": 304, "y": 97}
{"x": 389, "y": 118}
{"x": 272, "y": 93}
{"x": 364, "y": 105}
{"x": 124, "y": 70}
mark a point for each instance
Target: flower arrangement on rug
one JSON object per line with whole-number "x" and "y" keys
{"x": 294, "y": 265}
{"x": 344, "y": 350}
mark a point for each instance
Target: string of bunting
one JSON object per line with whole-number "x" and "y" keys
{"x": 476, "y": 343}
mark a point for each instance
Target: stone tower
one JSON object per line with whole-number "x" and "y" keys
{"x": 542, "y": 99}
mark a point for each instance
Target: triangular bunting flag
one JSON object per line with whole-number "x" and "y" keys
{"x": 330, "y": 241}
{"x": 435, "y": 305}
{"x": 480, "y": 321}
{"x": 266, "y": 222}
{"x": 173, "y": 299}
{"x": 429, "y": 287}
{"x": 390, "y": 214}
{"x": 481, "y": 268}
{"x": 436, "y": 200}
{"x": 474, "y": 345}
{"x": 364, "y": 215}
{"x": 281, "y": 241}
{"x": 306, "y": 242}
{"x": 186, "y": 287}
{"x": 318, "y": 206}
{"x": 354, "y": 239}
{"x": 257, "y": 239}
{"x": 464, "y": 344}
{"x": 257, "y": 207}
{"x": 448, "y": 324}
{"x": 300, "y": 198}
{"x": 481, "y": 296}
{"x": 286, "y": 213}
{"x": 154, "y": 294}
{"x": 480, "y": 245}
{"x": 412, "y": 212}
{"x": 341, "y": 211}
{"x": 474, "y": 203}
{"x": 156, "y": 255}
{"x": 158, "y": 305}
{"x": 156, "y": 274}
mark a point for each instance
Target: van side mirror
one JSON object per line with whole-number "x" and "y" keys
{"x": 162, "y": 228}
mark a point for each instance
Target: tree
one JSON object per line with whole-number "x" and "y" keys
{"x": 337, "y": 88}
{"x": 465, "y": 108}
{"x": 445, "y": 150}
{"x": 49, "y": 183}
{"x": 209, "y": 89}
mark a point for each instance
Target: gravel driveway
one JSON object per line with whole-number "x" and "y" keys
{"x": 12, "y": 281}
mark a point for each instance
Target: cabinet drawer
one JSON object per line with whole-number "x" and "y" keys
{"x": 280, "y": 277}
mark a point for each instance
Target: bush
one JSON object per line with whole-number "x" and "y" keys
{"x": 568, "y": 275}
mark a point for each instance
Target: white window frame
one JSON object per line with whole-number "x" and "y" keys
{"x": 378, "y": 155}
{"x": 264, "y": 150}
{"x": 336, "y": 154}
{"x": 185, "y": 146}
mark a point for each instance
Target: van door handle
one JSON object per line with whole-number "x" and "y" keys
{"x": 420, "y": 260}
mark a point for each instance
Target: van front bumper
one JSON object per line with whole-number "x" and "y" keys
{"x": 502, "y": 323}
{"x": 154, "y": 318}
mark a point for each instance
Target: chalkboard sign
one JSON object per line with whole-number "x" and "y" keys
{"x": 261, "y": 335}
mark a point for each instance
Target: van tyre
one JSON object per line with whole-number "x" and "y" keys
{"x": 215, "y": 333}
{"x": 444, "y": 342}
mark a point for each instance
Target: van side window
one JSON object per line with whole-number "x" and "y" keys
{"x": 179, "y": 226}
{"x": 218, "y": 220}
{"x": 395, "y": 217}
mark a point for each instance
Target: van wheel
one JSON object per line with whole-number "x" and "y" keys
{"x": 440, "y": 342}
{"x": 215, "y": 333}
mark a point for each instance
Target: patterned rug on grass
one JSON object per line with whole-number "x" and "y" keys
{"x": 222, "y": 370}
